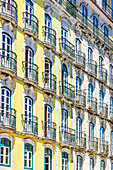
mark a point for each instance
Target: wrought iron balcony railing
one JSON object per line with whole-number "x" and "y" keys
{"x": 111, "y": 81}
{"x": 80, "y": 98}
{"x": 67, "y": 135}
{"x": 93, "y": 144}
{"x": 49, "y": 81}
{"x": 103, "y": 110}
{"x": 9, "y": 8}
{"x": 8, "y": 117}
{"x": 107, "y": 9}
{"x": 30, "y": 124}
{"x": 30, "y": 71}
{"x": 80, "y": 59}
{"x": 30, "y": 22}
{"x": 8, "y": 60}
{"x": 67, "y": 48}
{"x": 49, "y": 35}
{"x": 92, "y": 67}
{"x": 103, "y": 75}
{"x": 104, "y": 148}
{"x": 67, "y": 90}
{"x": 49, "y": 129}
{"x": 68, "y": 6}
{"x": 92, "y": 104}
{"x": 81, "y": 140}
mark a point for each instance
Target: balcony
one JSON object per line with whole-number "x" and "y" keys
{"x": 93, "y": 144}
{"x": 49, "y": 82}
{"x": 49, "y": 37}
{"x": 111, "y": 82}
{"x": 68, "y": 6}
{"x": 49, "y": 130}
{"x": 30, "y": 124}
{"x": 30, "y": 24}
{"x": 80, "y": 141}
{"x": 103, "y": 75}
{"x": 8, "y": 62}
{"x": 67, "y": 90}
{"x": 107, "y": 9}
{"x": 67, "y": 49}
{"x": 104, "y": 148}
{"x": 92, "y": 104}
{"x": 67, "y": 135}
{"x": 8, "y": 117}
{"x": 9, "y": 11}
{"x": 80, "y": 99}
{"x": 92, "y": 67}
{"x": 30, "y": 72}
{"x": 103, "y": 110}
{"x": 80, "y": 59}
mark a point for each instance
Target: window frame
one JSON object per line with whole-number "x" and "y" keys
{"x": 27, "y": 150}
{"x": 49, "y": 155}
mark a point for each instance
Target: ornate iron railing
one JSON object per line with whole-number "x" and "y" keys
{"x": 81, "y": 140}
{"x": 80, "y": 58}
{"x": 9, "y": 8}
{"x": 92, "y": 104}
{"x": 103, "y": 75}
{"x": 103, "y": 109}
{"x": 67, "y": 48}
{"x": 30, "y": 22}
{"x": 8, "y": 59}
{"x": 8, "y": 117}
{"x": 93, "y": 144}
{"x": 49, "y": 129}
{"x": 49, "y": 35}
{"x": 104, "y": 148}
{"x": 67, "y": 135}
{"x": 80, "y": 98}
{"x": 67, "y": 89}
{"x": 49, "y": 81}
{"x": 30, "y": 124}
{"x": 92, "y": 67}
{"x": 30, "y": 71}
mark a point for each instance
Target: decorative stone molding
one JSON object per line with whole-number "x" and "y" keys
{"x": 30, "y": 40}
{"x": 49, "y": 54}
{"x": 30, "y": 91}
{"x": 64, "y": 17}
{"x": 48, "y": 8}
{"x": 102, "y": 123}
{"x": 92, "y": 119}
{"x": 8, "y": 26}
{"x": 7, "y": 81}
{"x": 48, "y": 99}
{"x": 80, "y": 113}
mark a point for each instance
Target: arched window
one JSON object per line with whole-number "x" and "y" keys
{"x": 78, "y": 130}
{"x": 101, "y": 99}
{"x": 91, "y": 164}
{"x": 79, "y": 162}
{"x": 78, "y": 86}
{"x": 91, "y": 131}
{"x": 84, "y": 15}
{"x": 78, "y": 45}
{"x": 64, "y": 120}
{"x": 90, "y": 91}
{"x": 64, "y": 73}
{"x": 95, "y": 25}
{"x": 48, "y": 34}
{"x": 102, "y": 165}
{"x": 29, "y": 7}
{"x": 105, "y": 31}
{"x": 112, "y": 142}
{"x": 111, "y": 106}
{"x": 48, "y": 121}
{"x": 100, "y": 63}
{"x": 48, "y": 159}
{"x": 28, "y": 156}
{"x": 90, "y": 55}
{"x": 29, "y": 55}
{"x": 28, "y": 115}
{"x": 64, "y": 161}
{"x": 48, "y": 21}
{"x": 48, "y": 74}
{"x": 5, "y": 152}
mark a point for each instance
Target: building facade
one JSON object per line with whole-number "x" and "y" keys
{"x": 56, "y": 85}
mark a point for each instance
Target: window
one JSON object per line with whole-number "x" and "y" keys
{"x": 48, "y": 31}
{"x": 64, "y": 161}
{"x": 79, "y": 162}
{"x": 78, "y": 45}
{"x": 78, "y": 130}
{"x": 90, "y": 92}
{"x": 95, "y": 26}
{"x": 105, "y": 31}
{"x": 111, "y": 71}
{"x": 64, "y": 120}
{"x": 84, "y": 15}
{"x": 5, "y": 152}
{"x": 28, "y": 156}
{"x": 64, "y": 33}
{"x": 48, "y": 159}
{"x": 112, "y": 166}
{"x": 101, "y": 99}
{"x": 78, "y": 86}
{"x": 48, "y": 121}
{"x": 90, "y": 55}
{"x": 64, "y": 80}
{"x": 102, "y": 165}
{"x": 28, "y": 117}
{"x": 48, "y": 73}
{"x": 91, "y": 131}
{"x": 111, "y": 105}
{"x": 112, "y": 143}
{"x": 29, "y": 7}
{"x": 91, "y": 164}
{"x": 102, "y": 139}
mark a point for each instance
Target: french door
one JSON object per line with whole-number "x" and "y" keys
{"x": 84, "y": 15}
{"x": 102, "y": 139}
{"x": 90, "y": 95}
{"x": 64, "y": 161}
{"x": 48, "y": 75}
{"x": 95, "y": 26}
{"x": 5, "y": 107}
{"x": 28, "y": 115}
{"x": 48, "y": 121}
{"x": 78, "y": 131}
{"x": 91, "y": 135}
{"x": 64, "y": 80}
{"x": 48, "y": 30}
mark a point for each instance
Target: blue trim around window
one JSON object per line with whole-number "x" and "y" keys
{"x": 5, "y": 143}
{"x": 28, "y": 147}
{"x": 48, "y": 152}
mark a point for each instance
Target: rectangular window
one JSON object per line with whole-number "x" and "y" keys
{"x": 28, "y": 156}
